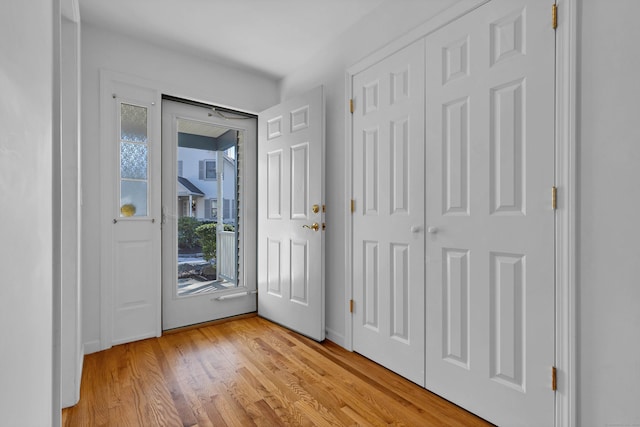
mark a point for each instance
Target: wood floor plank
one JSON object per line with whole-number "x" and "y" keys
{"x": 249, "y": 372}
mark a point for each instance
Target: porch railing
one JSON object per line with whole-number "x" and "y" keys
{"x": 226, "y": 260}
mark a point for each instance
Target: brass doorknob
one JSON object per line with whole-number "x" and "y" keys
{"x": 315, "y": 226}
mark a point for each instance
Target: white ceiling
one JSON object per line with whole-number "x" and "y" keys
{"x": 270, "y": 36}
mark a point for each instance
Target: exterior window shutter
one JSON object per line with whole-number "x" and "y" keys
{"x": 201, "y": 170}
{"x": 207, "y": 208}
{"x": 179, "y": 167}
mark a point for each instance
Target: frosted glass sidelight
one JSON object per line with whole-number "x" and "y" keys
{"x": 133, "y": 123}
{"x": 133, "y": 193}
{"x": 133, "y": 161}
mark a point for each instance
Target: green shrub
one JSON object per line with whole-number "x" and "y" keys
{"x": 187, "y": 236}
{"x": 207, "y": 237}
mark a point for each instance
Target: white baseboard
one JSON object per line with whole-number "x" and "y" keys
{"x": 335, "y": 337}
{"x": 91, "y": 347}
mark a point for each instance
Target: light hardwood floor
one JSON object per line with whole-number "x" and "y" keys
{"x": 249, "y": 372}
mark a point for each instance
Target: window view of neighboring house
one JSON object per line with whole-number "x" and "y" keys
{"x": 206, "y": 194}
{"x": 198, "y": 187}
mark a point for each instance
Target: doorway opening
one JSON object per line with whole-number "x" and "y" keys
{"x": 207, "y": 233}
{"x": 208, "y": 212}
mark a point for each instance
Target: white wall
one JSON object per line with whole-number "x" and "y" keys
{"x": 26, "y": 230}
{"x": 609, "y": 207}
{"x": 174, "y": 74}
{"x": 385, "y": 24}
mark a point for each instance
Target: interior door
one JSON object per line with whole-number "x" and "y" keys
{"x": 388, "y": 232}
{"x": 206, "y": 218}
{"x": 490, "y": 221}
{"x": 290, "y": 214}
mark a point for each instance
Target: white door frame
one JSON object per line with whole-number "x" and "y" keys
{"x": 566, "y": 182}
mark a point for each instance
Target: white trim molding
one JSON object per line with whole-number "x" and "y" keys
{"x": 566, "y": 182}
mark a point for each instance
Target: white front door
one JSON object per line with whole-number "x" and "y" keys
{"x": 388, "y": 232}
{"x": 207, "y": 270}
{"x": 490, "y": 221}
{"x": 131, "y": 212}
{"x": 290, "y": 214}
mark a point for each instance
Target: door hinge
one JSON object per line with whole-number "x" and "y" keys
{"x": 350, "y": 306}
{"x": 554, "y": 197}
{"x": 554, "y": 378}
{"x": 353, "y": 206}
{"x": 554, "y": 16}
{"x": 351, "y": 107}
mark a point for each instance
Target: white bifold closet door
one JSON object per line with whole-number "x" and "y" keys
{"x": 388, "y": 232}
{"x": 490, "y": 220}
{"x": 453, "y": 231}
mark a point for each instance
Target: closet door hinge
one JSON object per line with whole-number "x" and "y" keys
{"x": 554, "y": 197}
{"x": 351, "y": 107}
{"x": 554, "y": 16}
{"x": 353, "y": 206}
{"x": 350, "y": 306}
{"x": 554, "y": 378}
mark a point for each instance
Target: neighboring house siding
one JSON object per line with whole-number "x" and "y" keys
{"x": 193, "y": 166}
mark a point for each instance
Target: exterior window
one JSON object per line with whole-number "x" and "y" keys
{"x": 214, "y": 208}
{"x": 210, "y": 208}
{"x": 210, "y": 169}
{"x": 180, "y": 168}
{"x": 207, "y": 170}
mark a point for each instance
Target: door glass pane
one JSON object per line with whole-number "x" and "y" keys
{"x": 134, "y": 161}
{"x": 133, "y": 119}
{"x": 207, "y": 241}
{"x": 133, "y": 198}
